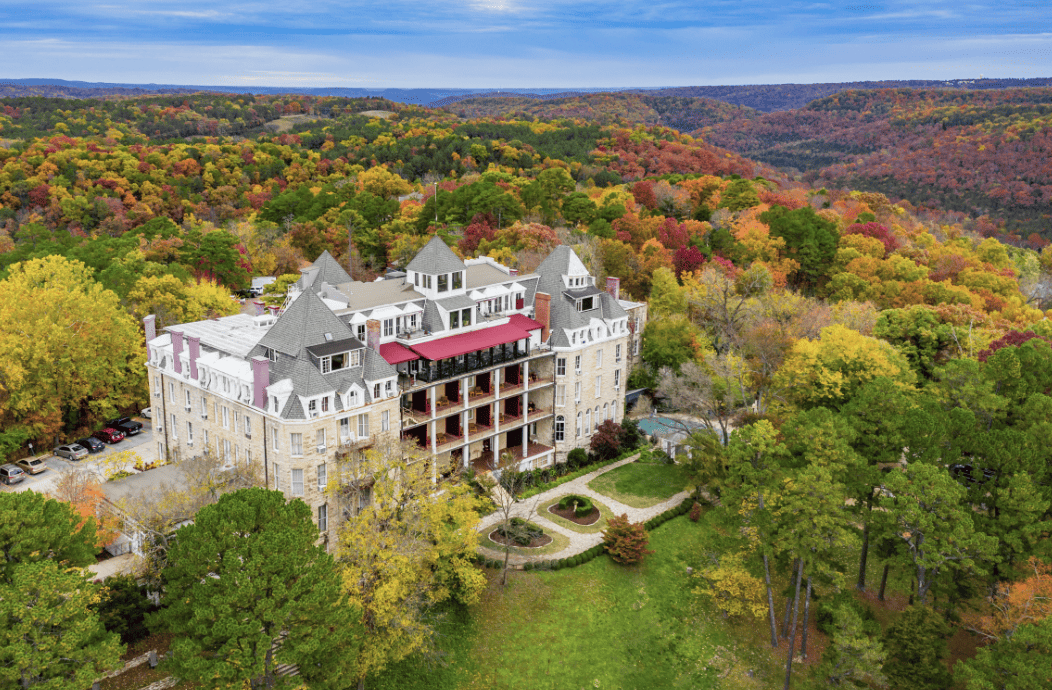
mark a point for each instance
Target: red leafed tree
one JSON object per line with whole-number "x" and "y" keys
{"x": 1010, "y": 339}
{"x": 876, "y": 231}
{"x": 643, "y": 193}
{"x": 625, "y": 541}
{"x": 606, "y": 441}
{"x": 480, "y": 229}
{"x": 687, "y": 260}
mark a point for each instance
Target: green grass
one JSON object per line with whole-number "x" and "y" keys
{"x": 641, "y": 485}
{"x": 625, "y": 627}
{"x": 598, "y": 526}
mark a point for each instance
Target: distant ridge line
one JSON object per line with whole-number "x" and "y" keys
{"x": 450, "y": 100}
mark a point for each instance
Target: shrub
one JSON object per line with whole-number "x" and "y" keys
{"x": 584, "y": 504}
{"x": 520, "y": 531}
{"x": 734, "y": 590}
{"x": 631, "y": 436}
{"x": 123, "y": 606}
{"x": 577, "y": 458}
{"x": 625, "y": 541}
{"x": 825, "y": 613}
{"x": 606, "y": 441}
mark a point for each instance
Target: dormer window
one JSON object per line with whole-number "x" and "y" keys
{"x": 454, "y": 320}
{"x": 355, "y": 358}
{"x": 443, "y": 283}
{"x": 585, "y": 304}
{"x": 271, "y": 354}
{"x": 458, "y": 280}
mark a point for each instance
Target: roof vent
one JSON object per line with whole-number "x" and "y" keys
{"x": 328, "y": 337}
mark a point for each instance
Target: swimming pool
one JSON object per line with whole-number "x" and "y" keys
{"x": 659, "y": 425}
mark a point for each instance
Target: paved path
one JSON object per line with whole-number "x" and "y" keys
{"x": 579, "y": 541}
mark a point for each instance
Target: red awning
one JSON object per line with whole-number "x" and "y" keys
{"x": 395, "y": 353}
{"x": 524, "y": 322}
{"x": 470, "y": 342}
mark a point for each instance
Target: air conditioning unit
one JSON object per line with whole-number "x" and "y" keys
{"x": 188, "y": 408}
{"x": 321, "y": 449}
{"x": 189, "y": 444}
{"x": 248, "y": 434}
{"x": 204, "y": 415}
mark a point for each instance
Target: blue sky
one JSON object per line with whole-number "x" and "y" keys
{"x": 521, "y": 43}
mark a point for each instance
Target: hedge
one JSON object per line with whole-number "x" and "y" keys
{"x": 660, "y": 519}
{"x": 584, "y": 504}
{"x": 541, "y": 488}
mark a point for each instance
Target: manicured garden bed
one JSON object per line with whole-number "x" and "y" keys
{"x": 595, "y": 522}
{"x": 521, "y": 534}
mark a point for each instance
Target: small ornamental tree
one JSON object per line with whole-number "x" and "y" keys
{"x": 734, "y": 590}
{"x": 625, "y": 541}
{"x": 607, "y": 440}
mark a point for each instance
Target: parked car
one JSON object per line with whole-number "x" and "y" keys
{"x": 9, "y": 474}
{"x": 147, "y": 413}
{"x": 31, "y": 465}
{"x": 125, "y": 425}
{"x": 966, "y": 474}
{"x": 93, "y": 445}
{"x": 109, "y": 435}
{"x": 71, "y": 451}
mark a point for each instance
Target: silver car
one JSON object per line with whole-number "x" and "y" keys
{"x": 9, "y": 474}
{"x": 71, "y": 451}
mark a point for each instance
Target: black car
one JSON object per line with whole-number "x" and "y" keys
{"x": 968, "y": 475}
{"x": 129, "y": 426}
{"x": 93, "y": 445}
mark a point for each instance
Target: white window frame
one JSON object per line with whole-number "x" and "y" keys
{"x": 204, "y": 407}
{"x": 189, "y": 405}
{"x": 560, "y": 395}
{"x": 323, "y": 477}
{"x": 175, "y": 428}
{"x": 297, "y": 482}
{"x": 323, "y": 517}
{"x": 588, "y": 421}
{"x": 277, "y": 477}
{"x": 577, "y": 391}
{"x": 319, "y": 440}
{"x": 560, "y": 428}
{"x": 226, "y": 417}
{"x": 363, "y": 426}
{"x": 189, "y": 433}
{"x": 248, "y": 427}
{"x": 275, "y": 438}
{"x": 296, "y": 443}
{"x": 345, "y": 430}
{"x": 599, "y": 357}
{"x": 560, "y": 366}
{"x": 385, "y": 420}
{"x": 577, "y": 429}
{"x": 577, "y": 364}
{"x": 617, "y": 353}
{"x": 171, "y": 392}
{"x": 598, "y": 385}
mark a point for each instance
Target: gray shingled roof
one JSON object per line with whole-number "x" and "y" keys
{"x": 436, "y": 257}
{"x": 329, "y": 270}
{"x": 432, "y": 319}
{"x": 304, "y": 324}
{"x": 611, "y": 308}
{"x": 456, "y": 302}
{"x": 376, "y": 367}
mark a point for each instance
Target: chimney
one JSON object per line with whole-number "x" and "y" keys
{"x": 613, "y": 286}
{"x": 513, "y": 272}
{"x": 372, "y": 334}
{"x": 150, "y": 325}
{"x": 260, "y": 381}
{"x": 177, "y": 350}
{"x": 261, "y": 308}
{"x": 542, "y": 311}
{"x": 273, "y": 310}
{"x": 195, "y": 352}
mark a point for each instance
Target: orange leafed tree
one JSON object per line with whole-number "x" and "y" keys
{"x": 82, "y": 491}
{"x": 1016, "y": 604}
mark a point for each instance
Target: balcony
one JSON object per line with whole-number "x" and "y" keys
{"x": 539, "y": 412}
{"x": 477, "y": 396}
{"x": 477, "y": 431}
{"x": 444, "y": 406}
{"x": 432, "y": 372}
{"x": 488, "y": 461}
{"x": 540, "y": 381}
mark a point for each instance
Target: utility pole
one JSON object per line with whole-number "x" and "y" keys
{"x": 436, "y": 203}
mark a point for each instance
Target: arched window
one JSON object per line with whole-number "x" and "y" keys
{"x": 587, "y": 421}
{"x": 578, "y": 429}
{"x": 606, "y": 411}
{"x": 596, "y": 416}
{"x": 560, "y": 428}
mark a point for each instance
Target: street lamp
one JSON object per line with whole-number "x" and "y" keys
{"x": 436, "y": 203}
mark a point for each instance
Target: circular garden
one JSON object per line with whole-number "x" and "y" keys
{"x": 521, "y": 534}
{"x": 579, "y": 510}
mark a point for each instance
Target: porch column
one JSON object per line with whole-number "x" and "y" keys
{"x": 464, "y": 424}
{"x": 526, "y": 374}
{"x": 432, "y": 441}
{"x": 432, "y": 398}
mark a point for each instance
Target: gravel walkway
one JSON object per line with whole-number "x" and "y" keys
{"x": 579, "y": 542}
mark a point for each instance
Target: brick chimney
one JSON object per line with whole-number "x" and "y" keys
{"x": 195, "y": 352}
{"x": 260, "y": 381}
{"x": 542, "y": 310}
{"x": 177, "y": 350}
{"x": 149, "y": 324}
{"x": 372, "y": 334}
{"x": 613, "y": 286}
{"x": 513, "y": 272}
{"x": 261, "y": 308}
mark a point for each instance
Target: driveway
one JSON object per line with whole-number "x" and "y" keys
{"x": 142, "y": 444}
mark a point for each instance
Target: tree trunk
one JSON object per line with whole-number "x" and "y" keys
{"x": 507, "y": 554}
{"x": 807, "y": 610}
{"x": 268, "y": 666}
{"x": 361, "y": 683}
{"x": 883, "y": 581}
{"x": 789, "y": 602}
{"x": 767, "y": 581}
{"x": 861, "y": 584}
{"x": 792, "y": 632}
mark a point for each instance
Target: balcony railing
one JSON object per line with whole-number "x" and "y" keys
{"x": 473, "y": 361}
{"x": 539, "y": 412}
{"x": 477, "y": 431}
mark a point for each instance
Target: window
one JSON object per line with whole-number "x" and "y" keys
{"x": 388, "y": 327}
{"x": 443, "y": 282}
{"x": 271, "y": 353}
{"x": 189, "y": 433}
{"x": 617, "y": 352}
{"x": 598, "y": 385}
{"x": 560, "y": 395}
{"x": 606, "y": 411}
{"x": 617, "y": 379}
{"x": 206, "y": 439}
{"x": 458, "y": 280}
{"x": 577, "y": 429}
{"x": 416, "y": 279}
{"x": 599, "y": 357}
{"x": 226, "y": 417}
{"x": 248, "y": 455}
{"x": 560, "y": 366}
{"x": 323, "y": 477}
{"x": 635, "y": 346}
{"x": 226, "y": 450}
{"x": 465, "y": 317}
{"x": 577, "y": 392}
{"x": 171, "y": 391}
{"x": 376, "y": 391}
{"x": 585, "y": 304}
{"x": 296, "y": 441}
{"x": 345, "y": 430}
{"x": 326, "y": 365}
{"x": 188, "y": 401}
{"x": 274, "y": 407}
{"x": 587, "y": 422}
{"x": 577, "y": 364}
{"x": 248, "y": 427}
{"x": 274, "y": 439}
{"x": 325, "y": 404}
{"x": 319, "y": 438}
{"x": 312, "y": 408}
{"x": 323, "y": 517}
{"x": 596, "y": 417}
{"x": 385, "y": 421}
{"x": 454, "y": 319}
{"x": 297, "y": 482}
{"x": 175, "y": 434}
{"x": 363, "y": 426}
{"x": 560, "y": 428}
{"x": 427, "y": 282}
{"x": 204, "y": 407}
{"x": 356, "y": 358}
{"x": 387, "y": 389}
{"x": 277, "y": 477}
{"x": 361, "y": 332}
{"x": 157, "y": 386}
{"x": 352, "y": 399}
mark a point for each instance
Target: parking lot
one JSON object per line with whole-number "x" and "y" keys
{"x": 142, "y": 444}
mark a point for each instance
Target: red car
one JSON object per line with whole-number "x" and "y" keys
{"x": 109, "y": 435}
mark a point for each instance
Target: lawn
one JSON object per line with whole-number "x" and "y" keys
{"x": 598, "y": 625}
{"x": 641, "y": 485}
